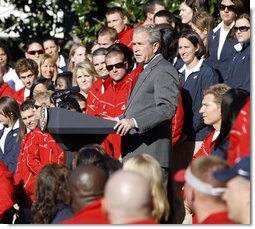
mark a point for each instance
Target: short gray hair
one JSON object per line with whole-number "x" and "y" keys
{"x": 153, "y": 33}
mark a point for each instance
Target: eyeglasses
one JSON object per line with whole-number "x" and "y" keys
{"x": 241, "y": 28}
{"x": 118, "y": 65}
{"x": 33, "y": 52}
{"x": 37, "y": 106}
{"x": 229, "y": 7}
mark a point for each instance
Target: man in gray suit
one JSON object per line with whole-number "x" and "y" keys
{"x": 145, "y": 126}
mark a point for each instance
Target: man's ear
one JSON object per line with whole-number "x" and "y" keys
{"x": 150, "y": 16}
{"x": 156, "y": 47}
{"x": 125, "y": 19}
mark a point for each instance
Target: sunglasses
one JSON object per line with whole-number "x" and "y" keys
{"x": 241, "y": 28}
{"x": 33, "y": 52}
{"x": 118, "y": 65}
{"x": 229, "y": 7}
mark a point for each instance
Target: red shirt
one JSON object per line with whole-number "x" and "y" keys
{"x": 20, "y": 95}
{"x": 113, "y": 103}
{"x": 95, "y": 93}
{"x": 37, "y": 150}
{"x": 126, "y": 36}
{"x": 6, "y": 190}
{"x": 239, "y": 137}
{"x": 90, "y": 214}
{"x": 177, "y": 121}
{"x": 5, "y": 90}
{"x": 215, "y": 218}
{"x": 207, "y": 145}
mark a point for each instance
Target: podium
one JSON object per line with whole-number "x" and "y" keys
{"x": 73, "y": 130}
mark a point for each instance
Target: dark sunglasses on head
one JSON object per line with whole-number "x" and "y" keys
{"x": 229, "y": 7}
{"x": 241, "y": 28}
{"x": 118, "y": 65}
{"x": 33, "y": 52}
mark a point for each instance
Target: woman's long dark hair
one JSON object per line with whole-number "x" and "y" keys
{"x": 51, "y": 190}
{"x": 232, "y": 102}
{"x": 10, "y": 108}
{"x": 169, "y": 42}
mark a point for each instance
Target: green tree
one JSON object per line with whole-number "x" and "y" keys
{"x": 76, "y": 19}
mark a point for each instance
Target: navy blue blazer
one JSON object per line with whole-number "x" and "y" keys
{"x": 221, "y": 66}
{"x": 192, "y": 96}
{"x": 222, "y": 150}
{"x": 11, "y": 149}
{"x": 239, "y": 71}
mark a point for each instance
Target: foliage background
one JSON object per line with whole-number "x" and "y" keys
{"x": 80, "y": 21}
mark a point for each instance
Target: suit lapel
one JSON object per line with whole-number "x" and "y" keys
{"x": 144, "y": 74}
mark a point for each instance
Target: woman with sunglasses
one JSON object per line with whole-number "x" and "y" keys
{"x": 220, "y": 44}
{"x": 33, "y": 50}
{"x": 239, "y": 67}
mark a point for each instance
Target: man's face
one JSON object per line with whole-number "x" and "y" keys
{"x": 116, "y": 21}
{"x": 210, "y": 111}
{"x": 100, "y": 66}
{"x": 158, "y": 8}
{"x": 29, "y": 119}
{"x": 117, "y": 67}
{"x": 237, "y": 191}
{"x": 104, "y": 41}
{"x": 144, "y": 51}
{"x": 51, "y": 48}
{"x": 34, "y": 52}
{"x": 27, "y": 78}
{"x": 3, "y": 58}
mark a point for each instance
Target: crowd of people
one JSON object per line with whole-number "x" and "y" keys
{"x": 176, "y": 87}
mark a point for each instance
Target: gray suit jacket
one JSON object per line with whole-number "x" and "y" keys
{"x": 152, "y": 103}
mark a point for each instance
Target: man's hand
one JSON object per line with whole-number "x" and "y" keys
{"x": 124, "y": 126}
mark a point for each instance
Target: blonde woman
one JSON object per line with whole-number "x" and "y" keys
{"x": 84, "y": 76}
{"x": 150, "y": 168}
{"x": 47, "y": 67}
{"x": 77, "y": 54}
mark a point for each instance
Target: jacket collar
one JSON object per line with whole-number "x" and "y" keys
{"x": 195, "y": 69}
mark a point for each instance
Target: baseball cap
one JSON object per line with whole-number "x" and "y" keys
{"x": 241, "y": 168}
